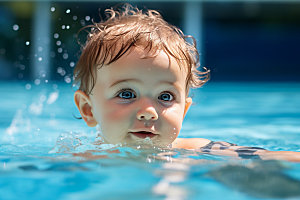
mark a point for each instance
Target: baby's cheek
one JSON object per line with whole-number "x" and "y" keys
{"x": 117, "y": 112}
{"x": 174, "y": 118}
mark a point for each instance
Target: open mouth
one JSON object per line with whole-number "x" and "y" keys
{"x": 143, "y": 134}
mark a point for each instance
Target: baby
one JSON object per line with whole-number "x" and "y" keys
{"x": 134, "y": 76}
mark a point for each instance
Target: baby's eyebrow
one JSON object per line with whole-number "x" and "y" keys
{"x": 140, "y": 82}
{"x": 168, "y": 82}
{"x": 124, "y": 80}
{"x": 174, "y": 84}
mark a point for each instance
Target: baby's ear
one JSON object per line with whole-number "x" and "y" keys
{"x": 188, "y": 103}
{"x": 83, "y": 104}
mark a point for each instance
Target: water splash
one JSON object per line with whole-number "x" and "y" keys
{"x": 74, "y": 142}
{"x": 52, "y": 97}
{"x": 18, "y": 123}
{"x": 66, "y": 143}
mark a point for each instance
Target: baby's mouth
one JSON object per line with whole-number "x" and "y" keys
{"x": 143, "y": 134}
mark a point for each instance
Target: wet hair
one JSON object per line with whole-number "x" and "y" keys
{"x": 129, "y": 27}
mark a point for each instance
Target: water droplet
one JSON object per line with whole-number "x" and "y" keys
{"x": 56, "y": 35}
{"x": 46, "y": 81}
{"x": 15, "y": 27}
{"x": 63, "y": 26}
{"x": 87, "y": 18}
{"x": 67, "y": 79}
{"x": 74, "y": 18}
{"x": 68, "y": 27}
{"x": 59, "y": 50}
{"x": 27, "y": 86}
{"x": 59, "y": 70}
{"x": 40, "y": 59}
{"x": 37, "y": 81}
{"x": 68, "y": 11}
{"x": 40, "y": 49}
{"x": 27, "y": 43}
{"x": 43, "y": 98}
{"x": 82, "y": 22}
{"x": 149, "y": 160}
{"x": 63, "y": 72}
{"x": 52, "y": 9}
{"x": 65, "y": 56}
{"x": 72, "y": 64}
{"x": 58, "y": 43}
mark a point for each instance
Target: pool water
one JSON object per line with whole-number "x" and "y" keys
{"x": 46, "y": 153}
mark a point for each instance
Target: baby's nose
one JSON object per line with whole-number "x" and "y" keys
{"x": 147, "y": 113}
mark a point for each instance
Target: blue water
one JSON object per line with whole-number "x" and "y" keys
{"x": 42, "y": 147}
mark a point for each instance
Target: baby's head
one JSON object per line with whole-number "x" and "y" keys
{"x": 134, "y": 75}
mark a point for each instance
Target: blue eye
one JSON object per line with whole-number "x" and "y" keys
{"x": 126, "y": 94}
{"x": 166, "y": 96}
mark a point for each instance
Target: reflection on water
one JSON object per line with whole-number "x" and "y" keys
{"x": 261, "y": 179}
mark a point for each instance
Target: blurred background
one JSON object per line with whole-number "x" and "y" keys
{"x": 237, "y": 40}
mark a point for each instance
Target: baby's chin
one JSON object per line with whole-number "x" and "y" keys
{"x": 147, "y": 142}
{"x": 137, "y": 142}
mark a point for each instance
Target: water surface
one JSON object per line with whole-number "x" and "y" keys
{"x": 45, "y": 151}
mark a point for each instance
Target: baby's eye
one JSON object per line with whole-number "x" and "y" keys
{"x": 126, "y": 94}
{"x": 166, "y": 96}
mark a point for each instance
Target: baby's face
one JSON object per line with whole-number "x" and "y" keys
{"x": 134, "y": 99}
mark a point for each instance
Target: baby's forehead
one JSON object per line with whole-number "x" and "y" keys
{"x": 138, "y": 63}
{"x": 152, "y": 57}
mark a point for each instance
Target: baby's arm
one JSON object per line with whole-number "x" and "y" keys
{"x": 225, "y": 148}
{"x": 229, "y": 149}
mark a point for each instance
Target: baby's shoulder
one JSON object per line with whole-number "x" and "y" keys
{"x": 190, "y": 143}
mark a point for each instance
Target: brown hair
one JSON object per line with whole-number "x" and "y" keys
{"x": 129, "y": 27}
